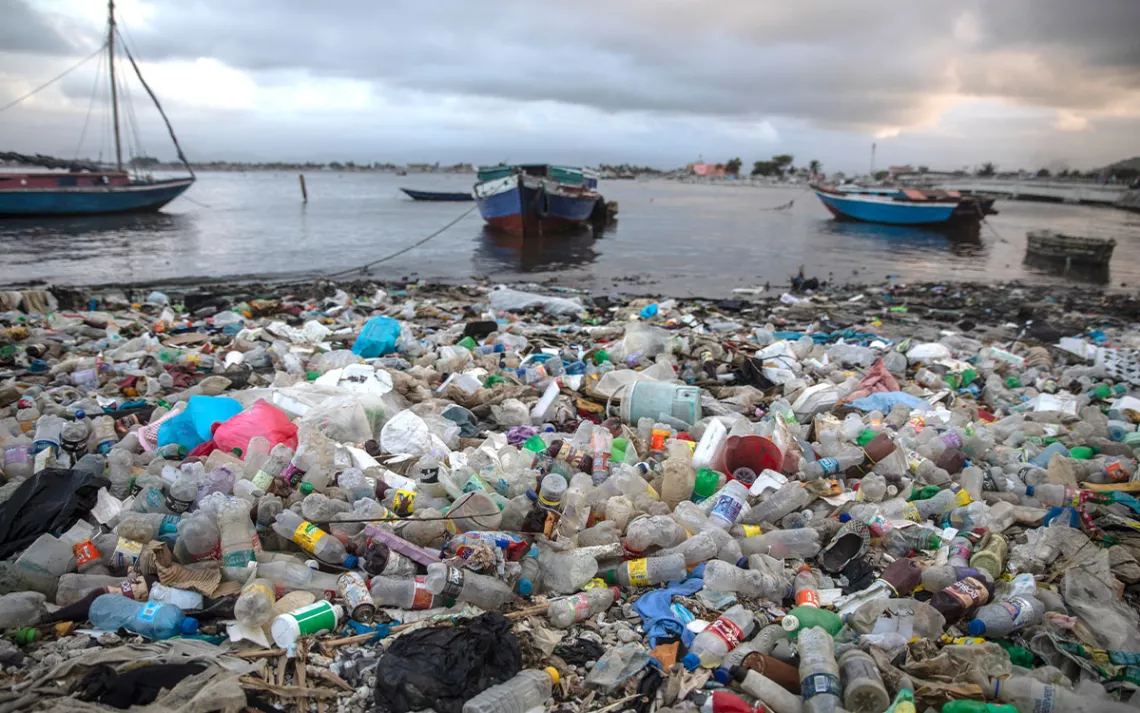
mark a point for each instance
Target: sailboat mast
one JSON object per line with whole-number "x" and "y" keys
{"x": 114, "y": 89}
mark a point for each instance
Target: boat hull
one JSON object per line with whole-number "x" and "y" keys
{"x": 90, "y": 200}
{"x": 437, "y": 195}
{"x": 884, "y": 210}
{"x": 520, "y": 206}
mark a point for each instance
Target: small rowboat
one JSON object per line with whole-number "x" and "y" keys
{"x": 1072, "y": 249}
{"x": 437, "y": 195}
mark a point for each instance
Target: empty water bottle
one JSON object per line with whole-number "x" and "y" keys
{"x": 526, "y": 691}
{"x": 819, "y": 673}
{"x": 645, "y": 572}
{"x": 718, "y": 638}
{"x": 310, "y": 538}
{"x": 254, "y": 607}
{"x": 570, "y": 610}
{"x": 153, "y": 620}
{"x": 465, "y": 586}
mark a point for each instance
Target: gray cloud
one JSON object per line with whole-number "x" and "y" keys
{"x": 22, "y": 29}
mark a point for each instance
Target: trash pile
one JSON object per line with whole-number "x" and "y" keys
{"x": 478, "y": 498}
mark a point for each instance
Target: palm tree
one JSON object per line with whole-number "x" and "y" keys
{"x": 987, "y": 169}
{"x": 815, "y": 166}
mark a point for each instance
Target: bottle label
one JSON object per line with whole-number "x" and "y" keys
{"x": 807, "y": 598}
{"x": 239, "y": 558}
{"x": 639, "y": 572}
{"x": 175, "y": 505}
{"x": 168, "y": 529}
{"x": 474, "y": 484}
{"x": 727, "y": 631}
{"x": 728, "y": 508}
{"x": 751, "y": 530}
{"x": 581, "y": 605}
{"x": 17, "y": 455}
{"x": 548, "y": 502}
{"x": 910, "y": 512}
{"x": 453, "y": 585}
{"x": 251, "y": 588}
{"x": 212, "y": 555}
{"x": 307, "y": 535}
{"x": 291, "y": 474}
{"x": 830, "y": 466}
{"x": 262, "y": 480}
{"x": 315, "y": 618}
{"x": 918, "y": 423}
{"x": 960, "y": 549}
{"x": 1019, "y": 610}
{"x": 962, "y": 498}
{"x": 657, "y": 439}
{"x": 1115, "y": 472}
{"x": 818, "y": 684}
{"x": 422, "y": 597}
{"x": 355, "y": 592}
{"x": 150, "y": 611}
{"x": 404, "y": 502}
{"x": 969, "y": 592}
{"x": 85, "y": 553}
{"x": 952, "y": 439}
{"x": 126, "y": 553}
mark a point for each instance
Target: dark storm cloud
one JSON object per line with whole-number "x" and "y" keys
{"x": 23, "y": 29}
{"x": 875, "y": 63}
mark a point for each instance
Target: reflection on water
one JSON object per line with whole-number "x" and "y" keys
{"x": 959, "y": 239}
{"x": 1079, "y": 272}
{"x": 497, "y": 250}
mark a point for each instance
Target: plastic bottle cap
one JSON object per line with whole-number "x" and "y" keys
{"x": 691, "y": 662}
{"x": 553, "y": 673}
{"x": 189, "y": 626}
{"x": 306, "y": 488}
{"x": 350, "y": 561}
{"x": 790, "y": 623}
{"x": 722, "y": 676}
{"x": 609, "y": 576}
{"x": 525, "y": 589}
{"x": 976, "y": 627}
{"x": 845, "y": 517}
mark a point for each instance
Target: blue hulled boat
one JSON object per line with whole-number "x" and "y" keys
{"x": 893, "y": 207}
{"x": 534, "y": 199}
{"x": 85, "y": 189}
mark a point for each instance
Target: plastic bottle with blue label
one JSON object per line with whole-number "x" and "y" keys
{"x": 153, "y": 620}
{"x": 819, "y": 673}
{"x": 731, "y": 504}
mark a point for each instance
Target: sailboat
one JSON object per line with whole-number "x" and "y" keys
{"x": 86, "y": 189}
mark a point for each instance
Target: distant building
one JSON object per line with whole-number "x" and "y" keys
{"x": 706, "y": 169}
{"x": 895, "y": 171}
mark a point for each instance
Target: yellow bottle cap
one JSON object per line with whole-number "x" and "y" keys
{"x": 553, "y": 673}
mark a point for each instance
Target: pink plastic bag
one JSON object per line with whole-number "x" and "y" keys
{"x": 261, "y": 419}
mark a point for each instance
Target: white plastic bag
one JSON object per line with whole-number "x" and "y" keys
{"x": 505, "y": 299}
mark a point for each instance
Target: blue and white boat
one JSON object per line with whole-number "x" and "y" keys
{"x": 891, "y": 206}
{"x": 535, "y": 199}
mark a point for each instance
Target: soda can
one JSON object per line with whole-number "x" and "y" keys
{"x": 357, "y": 598}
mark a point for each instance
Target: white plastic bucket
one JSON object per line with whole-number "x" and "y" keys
{"x": 648, "y": 399}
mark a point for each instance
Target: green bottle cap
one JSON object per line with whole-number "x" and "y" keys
{"x": 600, "y": 356}
{"x": 312, "y": 375}
{"x": 617, "y": 450}
{"x": 1102, "y": 391}
{"x": 1013, "y": 383}
{"x": 535, "y": 444}
{"x": 924, "y": 493}
{"x": 866, "y": 436}
{"x": 707, "y": 480}
{"x": 306, "y": 488}
{"x": 468, "y": 343}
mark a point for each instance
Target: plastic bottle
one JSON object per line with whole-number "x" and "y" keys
{"x": 802, "y": 543}
{"x": 791, "y": 496}
{"x": 272, "y": 466}
{"x": 310, "y": 538}
{"x": 462, "y": 585}
{"x": 863, "y": 690}
{"x": 800, "y": 619}
{"x": 183, "y": 492}
{"x": 569, "y": 610}
{"x": 199, "y": 537}
{"x": 236, "y": 535}
{"x": 646, "y": 572}
{"x": 49, "y": 434}
{"x": 1000, "y": 619}
{"x": 287, "y": 576}
{"x": 991, "y": 558}
{"x": 819, "y": 673}
{"x": 120, "y": 471}
{"x": 723, "y": 635}
{"x": 730, "y": 504}
{"x": 725, "y": 577}
{"x": 961, "y": 598}
{"x": 18, "y": 460}
{"x": 1028, "y": 695}
{"x": 935, "y": 579}
{"x": 144, "y": 527}
{"x": 527, "y": 690}
{"x": 806, "y": 585}
{"x": 977, "y": 707}
{"x": 567, "y": 572}
{"x": 153, "y": 620}
{"x": 680, "y": 477}
{"x": 410, "y": 594}
{"x": 184, "y": 599}
{"x": 830, "y": 467}
{"x": 103, "y": 435}
{"x": 254, "y": 607}
{"x": 698, "y": 548}
{"x": 551, "y": 491}
{"x": 315, "y": 618}
{"x": 658, "y": 530}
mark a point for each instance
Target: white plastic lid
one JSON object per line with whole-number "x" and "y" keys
{"x": 285, "y": 631}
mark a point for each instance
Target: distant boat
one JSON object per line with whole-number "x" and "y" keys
{"x": 437, "y": 195}
{"x": 1070, "y": 249}
{"x": 898, "y": 206}
{"x": 535, "y": 199}
{"x": 85, "y": 189}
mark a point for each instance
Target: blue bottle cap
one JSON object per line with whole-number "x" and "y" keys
{"x": 80, "y": 414}
{"x": 1030, "y": 490}
{"x": 531, "y": 495}
{"x": 722, "y": 676}
{"x": 350, "y": 562}
{"x": 845, "y": 517}
{"x": 525, "y": 587}
{"x": 189, "y": 626}
{"x": 976, "y": 627}
{"x": 691, "y": 662}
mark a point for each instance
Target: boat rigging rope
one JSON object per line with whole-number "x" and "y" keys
{"x": 398, "y": 253}
{"x": 55, "y": 79}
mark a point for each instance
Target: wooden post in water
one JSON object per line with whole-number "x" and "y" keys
{"x": 304, "y": 193}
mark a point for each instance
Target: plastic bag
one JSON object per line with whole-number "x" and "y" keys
{"x": 260, "y": 419}
{"x": 193, "y": 426}
{"x": 504, "y": 299}
{"x": 377, "y": 338}
{"x": 443, "y": 667}
{"x": 50, "y": 501}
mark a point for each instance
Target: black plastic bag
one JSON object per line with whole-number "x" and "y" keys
{"x": 50, "y": 501}
{"x": 443, "y": 667}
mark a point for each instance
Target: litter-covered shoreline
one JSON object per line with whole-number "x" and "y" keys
{"x": 281, "y": 496}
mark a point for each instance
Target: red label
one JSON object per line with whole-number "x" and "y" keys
{"x": 727, "y": 631}
{"x": 969, "y": 591}
{"x": 807, "y": 598}
{"x": 214, "y": 555}
{"x": 422, "y": 598}
{"x": 1116, "y": 472}
{"x": 85, "y": 553}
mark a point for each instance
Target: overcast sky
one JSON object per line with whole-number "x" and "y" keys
{"x": 1022, "y": 83}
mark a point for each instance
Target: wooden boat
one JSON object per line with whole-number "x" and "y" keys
{"x": 1072, "y": 249}
{"x": 535, "y": 199}
{"x": 85, "y": 189}
{"x": 888, "y": 205}
{"x": 437, "y": 195}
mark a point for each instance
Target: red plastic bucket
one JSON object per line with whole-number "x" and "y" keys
{"x": 753, "y": 452}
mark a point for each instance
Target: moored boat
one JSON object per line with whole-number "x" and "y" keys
{"x": 534, "y": 199}
{"x": 1071, "y": 249}
{"x": 85, "y": 189}
{"x": 437, "y": 195}
{"x": 890, "y": 206}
